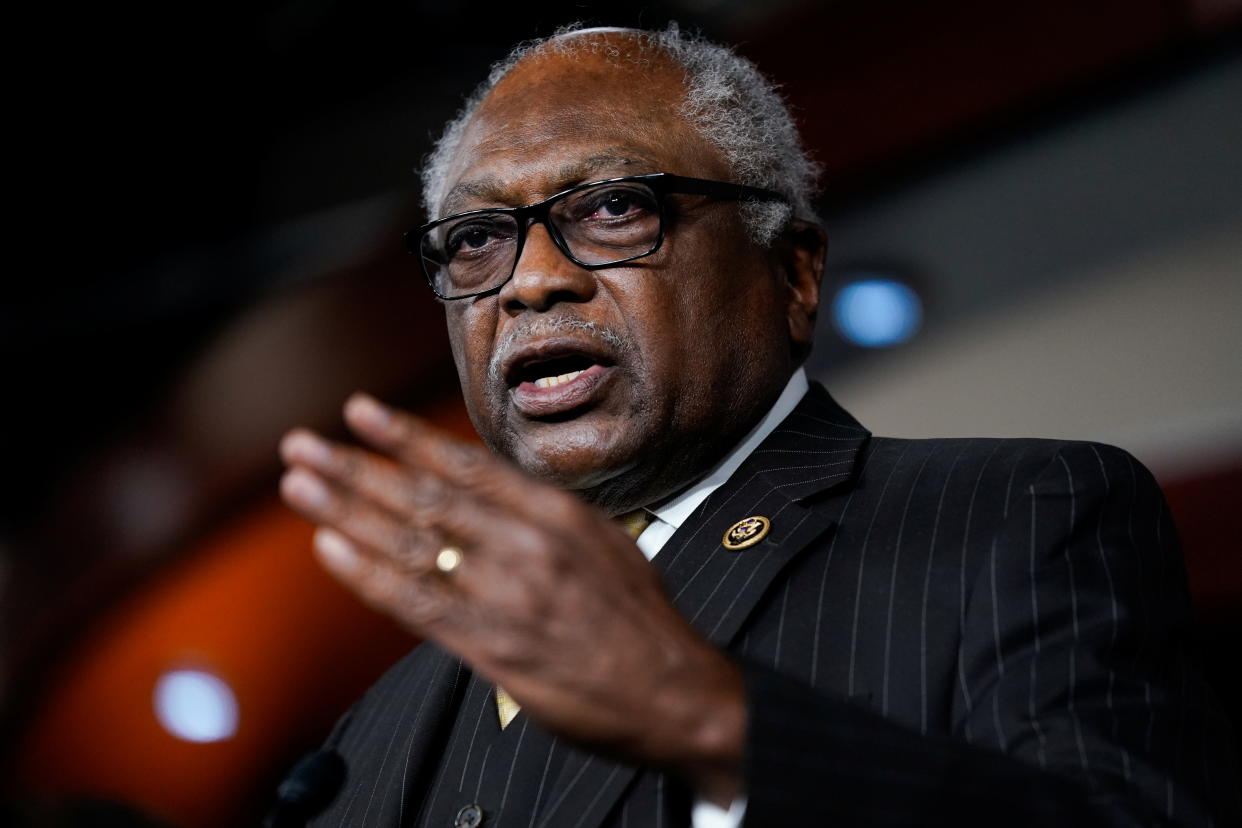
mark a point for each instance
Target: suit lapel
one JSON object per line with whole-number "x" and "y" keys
{"x": 446, "y": 685}
{"x": 813, "y": 451}
{"x": 585, "y": 790}
{"x": 392, "y": 747}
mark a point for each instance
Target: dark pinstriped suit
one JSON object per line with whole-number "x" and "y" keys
{"x": 935, "y": 632}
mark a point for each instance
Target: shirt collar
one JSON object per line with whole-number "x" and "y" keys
{"x": 675, "y": 511}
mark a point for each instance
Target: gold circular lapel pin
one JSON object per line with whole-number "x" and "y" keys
{"x": 746, "y": 532}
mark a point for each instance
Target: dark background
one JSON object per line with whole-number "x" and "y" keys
{"x": 211, "y": 198}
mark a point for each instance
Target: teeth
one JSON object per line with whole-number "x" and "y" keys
{"x": 552, "y": 382}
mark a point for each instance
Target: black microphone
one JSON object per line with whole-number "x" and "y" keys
{"x": 310, "y": 785}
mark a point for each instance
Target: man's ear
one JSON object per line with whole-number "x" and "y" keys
{"x": 802, "y": 252}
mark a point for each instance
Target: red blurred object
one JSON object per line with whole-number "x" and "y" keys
{"x": 248, "y": 605}
{"x": 1204, "y": 510}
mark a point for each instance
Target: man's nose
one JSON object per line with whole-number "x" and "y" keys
{"x": 544, "y": 276}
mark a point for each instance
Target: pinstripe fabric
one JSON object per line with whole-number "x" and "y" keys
{"x": 934, "y": 632}
{"x": 481, "y": 766}
{"x": 391, "y": 738}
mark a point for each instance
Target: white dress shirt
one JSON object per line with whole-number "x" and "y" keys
{"x": 667, "y": 519}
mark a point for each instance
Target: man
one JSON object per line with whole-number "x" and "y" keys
{"x": 837, "y": 628}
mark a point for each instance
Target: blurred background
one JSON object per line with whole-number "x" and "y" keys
{"x": 1035, "y": 212}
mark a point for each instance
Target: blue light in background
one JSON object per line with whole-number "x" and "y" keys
{"x": 877, "y": 313}
{"x": 195, "y": 706}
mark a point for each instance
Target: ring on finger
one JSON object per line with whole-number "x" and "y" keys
{"x": 448, "y": 559}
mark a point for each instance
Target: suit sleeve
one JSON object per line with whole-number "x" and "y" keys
{"x": 1076, "y": 704}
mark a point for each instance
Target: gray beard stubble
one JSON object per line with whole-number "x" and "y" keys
{"x": 543, "y": 326}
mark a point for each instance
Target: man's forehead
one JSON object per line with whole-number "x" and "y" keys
{"x": 509, "y": 184}
{"x": 561, "y": 119}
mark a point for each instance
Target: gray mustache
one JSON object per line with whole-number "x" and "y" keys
{"x": 545, "y": 326}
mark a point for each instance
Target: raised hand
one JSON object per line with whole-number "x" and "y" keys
{"x": 550, "y": 599}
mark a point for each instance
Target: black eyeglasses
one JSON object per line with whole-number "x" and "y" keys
{"x": 595, "y": 225}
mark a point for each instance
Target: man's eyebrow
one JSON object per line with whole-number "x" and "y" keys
{"x": 484, "y": 189}
{"x": 579, "y": 170}
{"x": 493, "y": 190}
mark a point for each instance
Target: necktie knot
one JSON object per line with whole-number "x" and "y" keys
{"x": 635, "y": 522}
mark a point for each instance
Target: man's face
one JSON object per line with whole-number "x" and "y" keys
{"x": 670, "y": 358}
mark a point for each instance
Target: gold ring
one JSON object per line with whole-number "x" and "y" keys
{"x": 448, "y": 559}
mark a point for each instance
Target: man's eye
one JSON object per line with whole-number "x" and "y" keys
{"x": 468, "y": 238}
{"x": 472, "y": 237}
{"x": 614, "y": 204}
{"x": 617, "y": 204}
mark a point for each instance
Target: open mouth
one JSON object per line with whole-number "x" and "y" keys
{"x": 554, "y": 372}
{"x": 557, "y": 377}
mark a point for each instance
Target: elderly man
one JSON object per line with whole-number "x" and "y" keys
{"x": 833, "y": 628}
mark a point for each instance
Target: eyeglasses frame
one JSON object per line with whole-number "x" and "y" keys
{"x": 662, "y": 184}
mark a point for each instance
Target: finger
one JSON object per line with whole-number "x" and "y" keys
{"x": 496, "y": 545}
{"x": 424, "y": 499}
{"x": 326, "y": 504}
{"x": 447, "y": 606}
{"x": 420, "y": 603}
{"x": 415, "y": 494}
{"x": 416, "y": 444}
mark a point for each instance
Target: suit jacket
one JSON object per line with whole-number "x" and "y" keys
{"x": 934, "y": 632}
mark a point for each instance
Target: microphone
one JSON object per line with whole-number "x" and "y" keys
{"x": 309, "y": 786}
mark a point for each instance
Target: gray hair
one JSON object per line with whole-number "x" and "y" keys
{"x": 728, "y": 101}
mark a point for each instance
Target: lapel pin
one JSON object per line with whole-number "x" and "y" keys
{"x": 746, "y": 532}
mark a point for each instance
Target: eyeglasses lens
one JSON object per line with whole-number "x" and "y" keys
{"x": 598, "y": 225}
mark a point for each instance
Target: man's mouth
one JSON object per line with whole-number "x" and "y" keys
{"x": 558, "y": 376}
{"x": 574, "y": 367}
{"x": 560, "y": 379}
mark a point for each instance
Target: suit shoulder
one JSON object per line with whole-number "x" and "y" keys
{"x": 983, "y": 454}
{"x": 986, "y": 474}
{"x": 417, "y": 668}
{"x": 413, "y": 666}
{"x": 424, "y": 677}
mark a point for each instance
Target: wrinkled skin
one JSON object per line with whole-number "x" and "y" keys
{"x": 705, "y": 317}
{"x": 553, "y": 601}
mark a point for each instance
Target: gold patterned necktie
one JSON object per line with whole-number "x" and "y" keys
{"x": 506, "y": 708}
{"x": 634, "y": 523}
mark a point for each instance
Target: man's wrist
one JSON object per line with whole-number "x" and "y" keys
{"x": 711, "y": 733}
